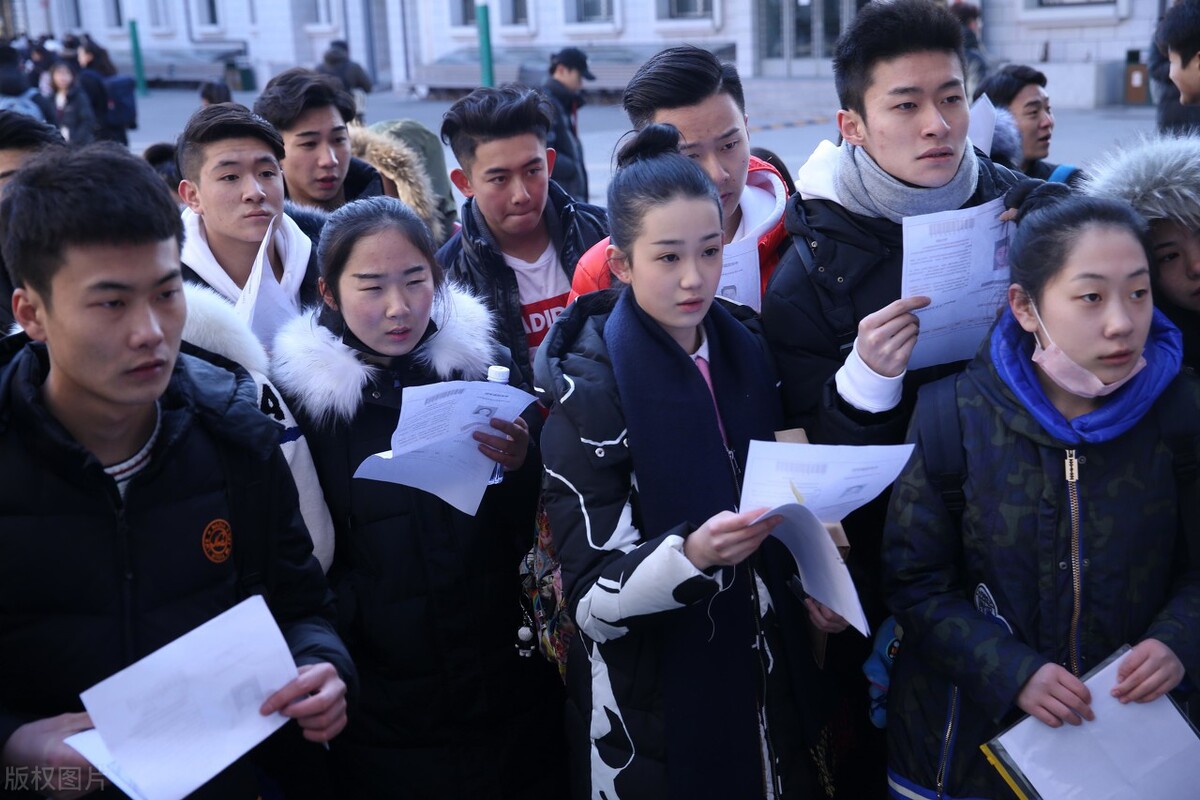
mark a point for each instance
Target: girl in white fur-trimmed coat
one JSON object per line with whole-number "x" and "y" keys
{"x": 428, "y": 597}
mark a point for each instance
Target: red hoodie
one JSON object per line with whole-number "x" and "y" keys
{"x": 592, "y": 273}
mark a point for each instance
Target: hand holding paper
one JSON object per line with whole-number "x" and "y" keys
{"x": 728, "y": 539}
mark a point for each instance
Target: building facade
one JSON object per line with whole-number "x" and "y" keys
{"x": 1082, "y": 45}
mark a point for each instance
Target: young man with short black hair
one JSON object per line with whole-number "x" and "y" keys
{"x": 564, "y": 87}
{"x": 834, "y": 319}
{"x": 1021, "y": 90}
{"x": 1179, "y": 37}
{"x": 313, "y": 113}
{"x": 521, "y": 233}
{"x": 21, "y": 138}
{"x": 690, "y": 88}
{"x": 120, "y": 452}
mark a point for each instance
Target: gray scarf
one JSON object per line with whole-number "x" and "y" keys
{"x": 864, "y": 188}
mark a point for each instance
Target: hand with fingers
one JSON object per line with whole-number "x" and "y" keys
{"x": 1055, "y": 696}
{"x": 1147, "y": 672}
{"x": 40, "y": 745}
{"x": 886, "y": 338}
{"x": 823, "y": 618}
{"x": 316, "y": 699}
{"x": 508, "y": 449}
{"x": 727, "y": 539}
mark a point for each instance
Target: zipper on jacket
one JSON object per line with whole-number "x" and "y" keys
{"x": 947, "y": 743}
{"x": 737, "y": 473}
{"x": 1072, "y": 468}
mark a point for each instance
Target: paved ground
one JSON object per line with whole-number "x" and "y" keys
{"x": 787, "y": 116}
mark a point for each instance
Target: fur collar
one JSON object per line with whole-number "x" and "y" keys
{"x": 324, "y": 378}
{"x": 403, "y": 166}
{"x": 1158, "y": 175}
{"x": 213, "y": 325}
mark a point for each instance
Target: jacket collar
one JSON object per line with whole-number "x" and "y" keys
{"x": 326, "y": 376}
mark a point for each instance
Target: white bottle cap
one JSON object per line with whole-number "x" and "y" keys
{"x": 497, "y": 374}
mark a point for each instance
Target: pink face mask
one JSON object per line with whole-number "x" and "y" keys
{"x": 1071, "y": 377}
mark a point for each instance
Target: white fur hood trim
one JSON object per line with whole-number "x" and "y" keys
{"x": 325, "y": 377}
{"x": 1158, "y": 175}
{"x": 213, "y": 325}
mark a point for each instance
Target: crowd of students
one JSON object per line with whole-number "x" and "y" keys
{"x": 219, "y": 352}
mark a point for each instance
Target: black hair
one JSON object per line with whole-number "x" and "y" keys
{"x": 161, "y": 156}
{"x": 352, "y": 222}
{"x": 772, "y": 158}
{"x": 22, "y": 132}
{"x": 488, "y": 114}
{"x": 100, "y": 194}
{"x": 676, "y": 78}
{"x": 213, "y": 92}
{"x": 101, "y": 62}
{"x": 294, "y": 91}
{"x": 1050, "y": 219}
{"x": 650, "y": 172}
{"x": 1003, "y": 85}
{"x": 886, "y": 31}
{"x": 1180, "y": 31}
{"x": 965, "y": 12}
{"x": 217, "y": 123}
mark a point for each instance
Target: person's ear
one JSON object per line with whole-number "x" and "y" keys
{"x": 852, "y": 126}
{"x": 1022, "y": 308}
{"x": 28, "y": 310}
{"x": 462, "y": 182}
{"x": 189, "y": 193}
{"x": 617, "y": 264}
{"x": 326, "y": 294}
{"x": 550, "y": 156}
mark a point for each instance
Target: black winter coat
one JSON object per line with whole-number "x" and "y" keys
{"x": 472, "y": 258}
{"x": 570, "y": 171}
{"x": 90, "y": 583}
{"x": 428, "y": 597}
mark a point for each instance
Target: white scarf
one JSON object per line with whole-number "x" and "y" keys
{"x": 265, "y": 302}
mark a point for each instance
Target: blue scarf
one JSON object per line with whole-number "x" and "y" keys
{"x": 1012, "y": 354}
{"x": 708, "y": 671}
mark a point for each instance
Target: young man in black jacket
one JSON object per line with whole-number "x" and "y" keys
{"x": 144, "y": 491}
{"x": 834, "y": 319}
{"x": 521, "y": 235}
{"x": 564, "y": 87}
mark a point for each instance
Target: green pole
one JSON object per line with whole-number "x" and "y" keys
{"x": 139, "y": 71}
{"x": 488, "y": 77}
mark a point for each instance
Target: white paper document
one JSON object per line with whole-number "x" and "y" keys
{"x": 830, "y": 480}
{"x": 809, "y": 485}
{"x": 174, "y": 719}
{"x": 1129, "y": 752}
{"x": 741, "y": 279}
{"x": 958, "y": 259}
{"x": 982, "y": 128}
{"x": 432, "y": 447}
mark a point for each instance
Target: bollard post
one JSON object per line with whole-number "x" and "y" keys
{"x": 483, "y": 24}
{"x": 139, "y": 70}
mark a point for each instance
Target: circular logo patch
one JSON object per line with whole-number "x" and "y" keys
{"x": 217, "y": 541}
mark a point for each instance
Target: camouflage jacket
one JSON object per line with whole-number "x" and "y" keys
{"x": 1036, "y": 573}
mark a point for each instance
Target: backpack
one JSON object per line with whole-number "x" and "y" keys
{"x": 122, "y": 102}
{"x": 548, "y": 626}
{"x": 940, "y": 432}
{"x": 23, "y": 104}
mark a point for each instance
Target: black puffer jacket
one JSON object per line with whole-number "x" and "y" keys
{"x": 472, "y": 258}
{"x": 569, "y": 170}
{"x": 90, "y": 583}
{"x": 428, "y": 597}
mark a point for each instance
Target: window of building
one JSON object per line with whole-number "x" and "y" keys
{"x": 516, "y": 12}
{"x": 113, "y": 14}
{"x": 69, "y": 13}
{"x": 591, "y": 11}
{"x": 160, "y": 14}
{"x": 1061, "y": 3}
{"x": 462, "y": 13}
{"x": 210, "y": 14}
{"x": 316, "y": 12}
{"x": 686, "y": 9}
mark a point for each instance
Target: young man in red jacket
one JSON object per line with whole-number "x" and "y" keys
{"x": 690, "y": 88}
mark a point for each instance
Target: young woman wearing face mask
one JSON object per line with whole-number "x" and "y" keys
{"x": 428, "y": 597}
{"x": 1070, "y": 543}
